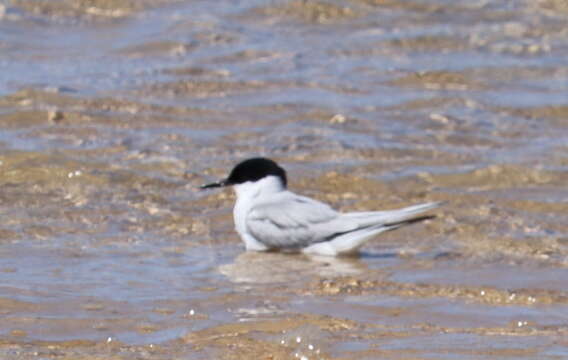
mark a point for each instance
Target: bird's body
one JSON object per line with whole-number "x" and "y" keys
{"x": 269, "y": 217}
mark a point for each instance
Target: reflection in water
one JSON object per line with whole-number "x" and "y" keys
{"x": 112, "y": 111}
{"x": 274, "y": 267}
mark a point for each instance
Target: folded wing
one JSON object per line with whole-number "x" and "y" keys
{"x": 290, "y": 221}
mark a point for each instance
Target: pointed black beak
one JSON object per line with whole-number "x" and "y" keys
{"x": 217, "y": 184}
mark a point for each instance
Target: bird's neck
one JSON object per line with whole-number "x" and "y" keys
{"x": 267, "y": 185}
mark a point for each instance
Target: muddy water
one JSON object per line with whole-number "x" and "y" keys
{"x": 111, "y": 114}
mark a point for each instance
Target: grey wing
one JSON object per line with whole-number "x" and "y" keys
{"x": 291, "y": 222}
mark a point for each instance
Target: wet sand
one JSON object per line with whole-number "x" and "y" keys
{"x": 112, "y": 113}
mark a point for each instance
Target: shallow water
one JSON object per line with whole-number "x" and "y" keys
{"x": 112, "y": 113}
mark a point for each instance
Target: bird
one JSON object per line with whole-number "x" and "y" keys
{"x": 269, "y": 217}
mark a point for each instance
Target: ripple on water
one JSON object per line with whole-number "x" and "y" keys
{"x": 112, "y": 113}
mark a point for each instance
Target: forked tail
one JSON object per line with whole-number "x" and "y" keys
{"x": 371, "y": 224}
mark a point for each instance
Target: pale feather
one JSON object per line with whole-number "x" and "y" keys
{"x": 289, "y": 221}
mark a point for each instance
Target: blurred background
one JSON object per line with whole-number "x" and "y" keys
{"x": 113, "y": 112}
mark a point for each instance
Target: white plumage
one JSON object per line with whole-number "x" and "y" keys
{"x": 270, "y": 217}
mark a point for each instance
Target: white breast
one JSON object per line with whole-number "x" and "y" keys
{"x": 249, "y": 194}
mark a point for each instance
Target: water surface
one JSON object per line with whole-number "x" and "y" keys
{"x": 112, "y": 113}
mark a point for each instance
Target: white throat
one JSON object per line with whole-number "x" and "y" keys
{"x": 266, "y": 185}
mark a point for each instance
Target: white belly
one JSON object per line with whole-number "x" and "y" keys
{"x": 249, "y": 194}
{"x": 242, "y": 208}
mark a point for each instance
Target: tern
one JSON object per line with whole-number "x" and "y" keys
{"x": 269, "y": 217}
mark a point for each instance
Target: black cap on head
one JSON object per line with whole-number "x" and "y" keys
{"x": 255, "y": 169}
{"x": 251, "y": 170}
